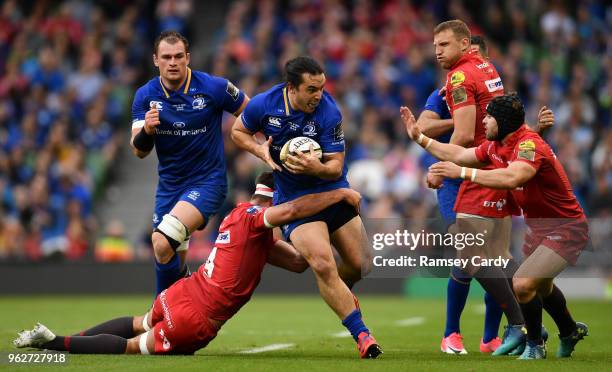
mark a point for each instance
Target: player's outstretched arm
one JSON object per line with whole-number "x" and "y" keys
{"x": 515, "y": 175}
{"x": 309, "y": 205}
{"x": 431, "y": 125}
{"x": 244, "y": 139}
{"x": 285, "y": 256}
{"x": 443, "y": 151}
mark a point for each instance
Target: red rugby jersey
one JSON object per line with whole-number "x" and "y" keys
{"x": 473, "y": 81}
{"x": 549, "y": 193}
{"x": 226, "y": 281}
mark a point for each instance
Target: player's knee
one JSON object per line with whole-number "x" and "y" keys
{"x": 161, "y": 248}
{"x": 132, "y": 346}
{"x": 324, "y": 267}
{"x": 524, "y": 289}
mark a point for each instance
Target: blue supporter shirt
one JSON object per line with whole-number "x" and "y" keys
{"x": 188, "y": 141}
{"x": 271, "y": 113}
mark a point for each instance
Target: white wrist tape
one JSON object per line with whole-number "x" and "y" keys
{"x": 429, "y": 143}
{"x": 420, "y": 139}
{"x": 473, "y": 174}
{"x": 463, "y": 169}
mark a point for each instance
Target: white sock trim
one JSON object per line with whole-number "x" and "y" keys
{"x": 145, "y": 323}
{"x": 142, "y": 343}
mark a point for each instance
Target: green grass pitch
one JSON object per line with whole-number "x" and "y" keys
{"x": 408, "y": 330}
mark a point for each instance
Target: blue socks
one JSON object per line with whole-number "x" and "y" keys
{"x": 493, "y": 315}
{"x": 354, "y": 324}
{"x": 168, "y": 273}
{"x": 456, "y": 296}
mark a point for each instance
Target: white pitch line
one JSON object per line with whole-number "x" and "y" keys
{"x": 263, "y": 349}
{"x": 341, "y": 334}
{"x": 408, "y": 322}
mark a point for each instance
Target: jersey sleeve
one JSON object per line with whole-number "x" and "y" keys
{"x": 482, "y": 152}
{"x": 436, "y": 104}
{"x": 139, "y": 109}
{"x": 257, "y": 219}
{"x": 253, "y": 113}
{"x": 228, "y": 96}
{"x": 461, "y": 90}
{"x": 332, "y": 138}
{"x": 531, "y": 151}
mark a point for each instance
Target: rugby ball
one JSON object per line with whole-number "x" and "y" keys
{"x": 300, "y": 144}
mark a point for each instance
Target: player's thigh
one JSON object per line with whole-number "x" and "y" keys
{"x": 542, "y": 263}
{"x": 475, "y": 226}
{"x": 195, "y": 204}
{"x": 498, "y": 243}
{"x": 312, "y": 241}
{"x": 188, "y": 214}
{"x": 351, "y": 242}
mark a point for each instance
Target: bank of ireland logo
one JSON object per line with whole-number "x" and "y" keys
{"x": 309, "y": 129}
{"x": 198, "y": 103}
{"x": 178, "y": 124}
{"x": 193, "y": 195}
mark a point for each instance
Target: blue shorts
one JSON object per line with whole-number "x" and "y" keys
{"x": 335, "y": 216}
{"x": 205, "y": 197}
{"x": 447, "y": 195}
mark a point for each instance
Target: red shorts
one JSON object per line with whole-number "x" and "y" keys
{"x": 483, "y": 201}
{"x": 179, "y": 326}
{"x": 567, "y": 238}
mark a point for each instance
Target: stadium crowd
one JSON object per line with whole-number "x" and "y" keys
{"x": 68, "y": 70}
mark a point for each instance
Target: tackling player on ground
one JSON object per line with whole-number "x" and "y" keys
{"x": 558, "y": 230}
{"x": 179, "y": 113}
{"x": 189, "y": 314}
{"x": 301, "y": 107}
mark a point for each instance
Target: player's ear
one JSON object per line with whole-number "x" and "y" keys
{"x": 188, "y": 57}
{"x": 155, "y": 60}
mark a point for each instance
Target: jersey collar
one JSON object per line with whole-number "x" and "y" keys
{"x": 185, "y": 86}
{"x": 514, "y": 137}
{"x": 287, "y": 102}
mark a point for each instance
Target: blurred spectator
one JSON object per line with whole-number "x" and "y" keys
{"x": 113, "y": 247}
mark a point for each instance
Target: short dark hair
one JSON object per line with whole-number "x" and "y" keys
{"x": 459, "y": 28}
{"x": 265, "y": 178}
{"x": 170, "y": 37}
{"x": 294, "y": 68}
{"x": 482, "y": 45}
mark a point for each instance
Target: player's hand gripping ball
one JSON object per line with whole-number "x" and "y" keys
{"x": 300, "y": 144}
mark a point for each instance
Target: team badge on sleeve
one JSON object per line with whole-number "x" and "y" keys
{"x": 232, "y": 91}
{"x": 457, "y": 78}
{"x": 527, "y": 150}
{"x": 459, "y": 95}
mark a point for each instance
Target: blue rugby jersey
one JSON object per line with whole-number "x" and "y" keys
{"x": 188, "y": 141}
{"x": 271, "y": 113}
